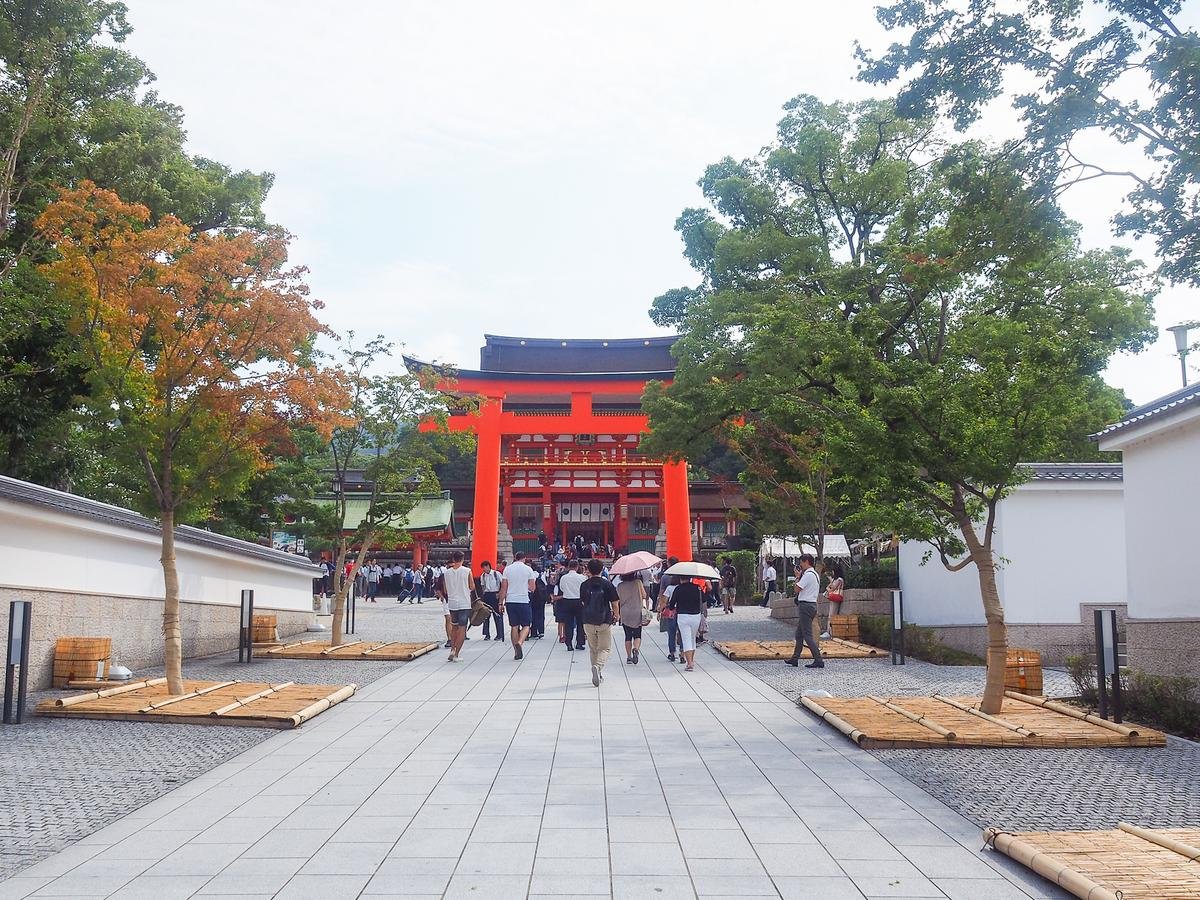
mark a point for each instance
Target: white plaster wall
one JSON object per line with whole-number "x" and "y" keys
{"x": 1162, "y": 511}
{"x": 1060, "y": 545}
{"x": 50, "y": 550}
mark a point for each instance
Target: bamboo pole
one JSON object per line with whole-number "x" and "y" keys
{"x": 204, "y": 690}
{"x": 1047, "y": 866}
{"x": 108, "y": 692}
{"x": 323, "y": 704}
{"x": 913, "y": 717}
{"x": 328, "y": 651}
{"x": 1169, "y": 843}
{"x": 857, "y": 645}
{"x": 1073, "y": 713}
{"x": 245, "y": 701}
{"x": 284, "y": 647}
{"x": 995, "y": 720}
{"x": 833, "y": 719}
{"x": 380, "y": 647}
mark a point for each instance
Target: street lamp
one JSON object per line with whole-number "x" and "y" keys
{"x": 1181, "y": 347}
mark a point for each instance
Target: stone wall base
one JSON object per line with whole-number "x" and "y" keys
{"x": 135, "y": 626}
{"x": 1055, "y": 641}
{"x": 858, "y": 602}
{"x": 1164, "y": 646}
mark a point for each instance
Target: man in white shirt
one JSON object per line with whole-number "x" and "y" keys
{"x": 808, "y": 588}
{"x": 571, "y": 607}
{"x": 519, "y": 582}
{"x": 489, "y": 585}
{"x": 769, "y": 579}
{"x": 459, "y": 585}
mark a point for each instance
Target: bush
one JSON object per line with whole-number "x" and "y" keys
{"x": 883, "y": 574}
{"x": 746, "y": 563}
{"x": 1166, "y": 702}
{"x": 1082, "y": 670}
{"x": 919, "y": 642}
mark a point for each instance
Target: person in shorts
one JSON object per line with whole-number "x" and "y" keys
{"x": 519, "y": 582}
{"x": 460, "y": 589}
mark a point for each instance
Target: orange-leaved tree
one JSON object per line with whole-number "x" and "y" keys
{"x": 202, "y": 355}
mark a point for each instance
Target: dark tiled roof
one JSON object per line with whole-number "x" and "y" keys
{"x": 567, "y": 356}
{"x": 73, "y": 505}
{"x": 1184, "y": 397}
{"x": 1074, "y": 471}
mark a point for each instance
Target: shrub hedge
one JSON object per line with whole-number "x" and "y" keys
{"x": 1166, "y": 702}
{"x": 882, "y": 574}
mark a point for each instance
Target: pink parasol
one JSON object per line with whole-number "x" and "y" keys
{"x": 634, "y": 562}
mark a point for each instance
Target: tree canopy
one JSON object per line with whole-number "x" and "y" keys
{"x": 199, "y": 350}
{"x": 916, "y": 305}
{"x": 75, "y": 106}
{"x": 1123, "y": 67}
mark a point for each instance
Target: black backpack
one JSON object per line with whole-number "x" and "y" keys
{"x": 597, "y": 606}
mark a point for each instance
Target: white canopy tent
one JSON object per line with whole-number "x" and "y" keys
{"x": 774, "y": 547}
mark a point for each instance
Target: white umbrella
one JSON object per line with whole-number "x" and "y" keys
{"x": 634, "y": 562}
{"x": 693, "y": 570}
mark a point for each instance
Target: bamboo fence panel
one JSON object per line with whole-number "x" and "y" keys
{"x": 383, "y": 650}
{"x": 1128, "y": 862}
{"x": 913, "y": 721}
{"x": 834, "y": 648}
{"x": 204, "y": 703}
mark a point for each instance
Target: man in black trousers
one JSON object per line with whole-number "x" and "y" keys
{"x": 571, "y": 607}
{"x": 808, "y": 588}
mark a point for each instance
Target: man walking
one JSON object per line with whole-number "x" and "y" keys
{"x": 571, "y": 608}
{"x": 459, "y": 587}
{"x": 519, "y": 582}
{"x": 601, "y": 607}
{"x": 374, "y": 576}
{"x": 489, "y": 585}
{"x": 728, "y": 585}
{"x": 769, "y": 578}
{"x": 808, "y": 588}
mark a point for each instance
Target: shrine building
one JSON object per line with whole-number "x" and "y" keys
{"x": 558, "y": 426}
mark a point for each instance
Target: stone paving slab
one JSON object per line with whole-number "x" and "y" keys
{"x": 491, "y": 777}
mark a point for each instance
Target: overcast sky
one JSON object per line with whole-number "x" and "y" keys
{"x": 458, "y": 168}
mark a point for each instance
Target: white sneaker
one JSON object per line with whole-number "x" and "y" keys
{"x": 825, "y": 635}
{"x": 596, "y": 676}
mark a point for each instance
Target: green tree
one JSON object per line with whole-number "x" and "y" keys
{"x": 1124, "y": 67}
{"x": 396, "y": 458}
{"x": 924, "y": 308}
{"x": 75, "y": 106}
{"x": 201, "y": 357}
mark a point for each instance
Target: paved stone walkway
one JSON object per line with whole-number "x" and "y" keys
{"x": 1011, "y": 789}
{"x": 493, "y": 778}
{"x": 61, "y": 779}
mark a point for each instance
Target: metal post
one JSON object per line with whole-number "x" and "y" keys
{"x": 1108, "y": 669}
{"x": 16, "y": 669}
{"x": 246, "y": 640}
{"x": 897, "y": 627}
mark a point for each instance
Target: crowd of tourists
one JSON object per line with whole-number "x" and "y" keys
{"x": 586, "y": 601}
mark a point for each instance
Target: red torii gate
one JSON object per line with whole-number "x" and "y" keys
{"x": 492, "y": 422}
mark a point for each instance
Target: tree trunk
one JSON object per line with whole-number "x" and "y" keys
{"x": 337, "y": 625}
{"x": 172, "y": 634}
{"x": 993, "y": 613}
{"x": 997, "y": 634}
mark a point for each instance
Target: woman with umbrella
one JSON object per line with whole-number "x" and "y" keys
{"x": 632, "y": 594}
{"x": 688, "y": 603}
